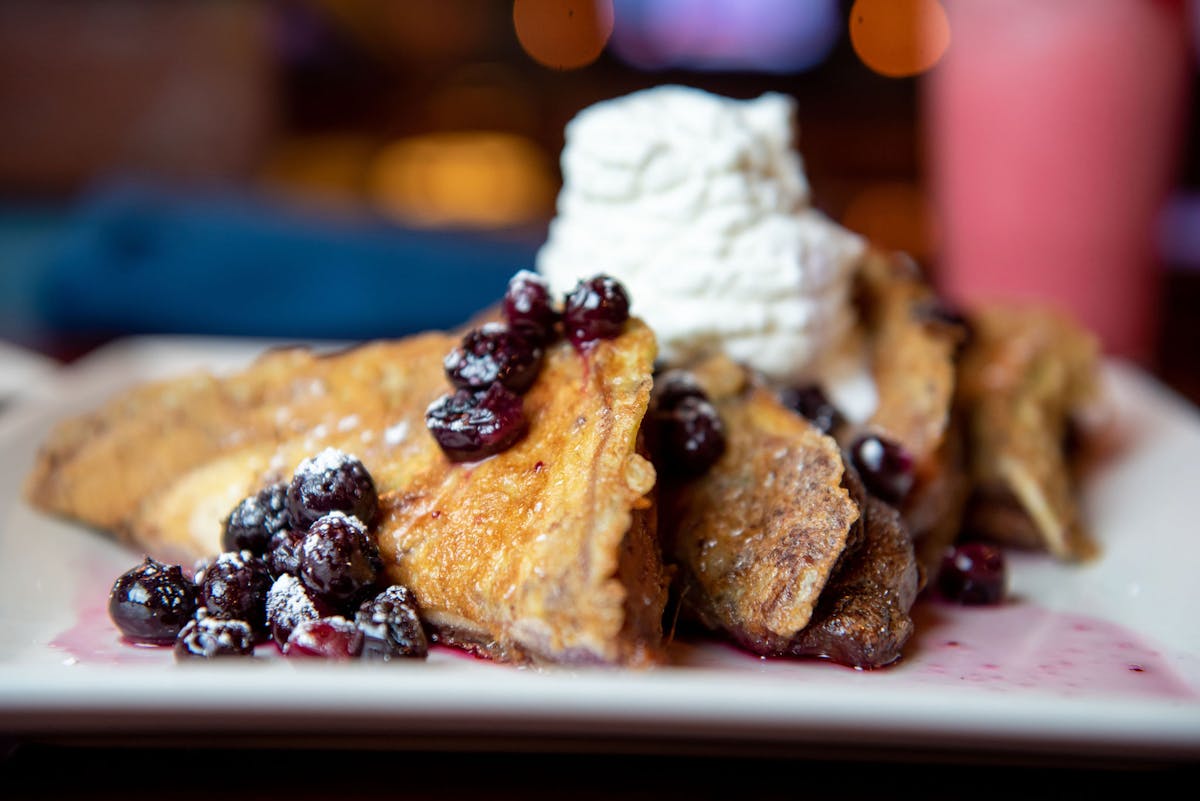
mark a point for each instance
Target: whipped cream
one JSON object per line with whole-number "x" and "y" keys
{"x": 700, "y": 206}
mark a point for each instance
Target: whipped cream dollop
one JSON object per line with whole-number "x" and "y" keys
{"x": 700, "y": 206}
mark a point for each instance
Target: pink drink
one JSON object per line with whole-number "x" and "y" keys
{"x": 1054, "y": 130}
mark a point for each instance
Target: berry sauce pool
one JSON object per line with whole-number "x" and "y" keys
{"x": 1013, "y": 647}
{"x": 1019, "y": 645}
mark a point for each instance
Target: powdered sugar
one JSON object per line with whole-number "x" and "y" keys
{"x": 327, "y": 461}
{"x": 288, "y": 603}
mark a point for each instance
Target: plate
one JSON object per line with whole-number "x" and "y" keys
{"x": 1094, "y": 660}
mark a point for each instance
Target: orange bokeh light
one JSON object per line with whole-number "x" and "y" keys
{"x": 485, "y": 179}
{"x": 563, "y": 34}
{"x": 899, "y": 38}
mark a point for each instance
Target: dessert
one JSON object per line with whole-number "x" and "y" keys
{"x": 544, "y": 552}
{"x": 1028, "y": 381}
{"x": 778, "y": 544}
{"x": 737, "y": 405}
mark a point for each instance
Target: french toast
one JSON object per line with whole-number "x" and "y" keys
{"x": 778, "y": 546}
{"x": 544, "y": 553}
{"x": 915, "y": 345}
{"x": 1028, "y": 377}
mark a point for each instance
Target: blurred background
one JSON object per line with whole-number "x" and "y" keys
{"x": 360, "y": 168}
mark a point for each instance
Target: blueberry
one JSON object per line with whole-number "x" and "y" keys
{"x": 339, "y": 560}
{"x": 211, "y": 637}
{"x": 235, "y": 588}
{"x": 690, "y": 436}
{"x": 885, "y": 467}
{"x": 331, "y": 481}
{"x": 494, "y": 353}
{"x": 812, "y": 404}
{"x": 326, "y": 638}
{"x": 288, "y": 605}
{"x": 973, "y": 573}
{"x": 152, "y": 602}
{"x": 527, "y": 306}
{"x": 283, "y": 552}
{"x": 595, "y": 309}
{"x": 470, "y": 426}
{"x": 256, "y": 519}
{"x": 672, "y": 386}
{"x": 391, "y": 626}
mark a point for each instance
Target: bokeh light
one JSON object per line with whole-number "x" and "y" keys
{"x": 482, "y": 179}
{"x": 771, "y": 36}
{"x": 899, "y": 38}
{"x": 563, "y": 34}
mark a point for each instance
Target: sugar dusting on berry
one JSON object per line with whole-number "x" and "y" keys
{"x": 288, "y": 604}
{"x": 327, "y": 461}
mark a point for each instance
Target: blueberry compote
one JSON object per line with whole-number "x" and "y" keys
{"x": 473, "y": 425}
{"x": 811, "y": 403}
{"x": 339, "y": 560}
{"x": 973, "y": 573}
{"x": 596, "y": 308}
{"x": 497, "y": 363}
{"x": 327, "y": 638}
{"x": 315, "y": 590}
{"x": 331, "y": 481}
{"x": 688, "y": 435}
{"x": 152, "y": 602}
{"x": 491, "y": 354}
{"x": 528, "y": 308}
{"x": 234, "y": 587}
{"x": 885, "y": 467}
{"x": 210, "y": 637}
{"x": 256, "y": 519}
{"x": 391, "y": 626}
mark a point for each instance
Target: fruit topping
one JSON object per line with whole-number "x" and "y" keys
{"x": 302, "y": 590}
{"x": 812, "y": 404}
{"x": 528, "y": 308}
{"x": 973, "y": 573}
{"x": 211, "y": 637}
{"x": 391, "y": 626}
{"x": 256, "y": 519}
{"x": 234, "y": 587}
{"x": 152, "y": 602}
{"x": 283, "y": 552}
{"x": 595, "y": 309}
{"x": 327, "y": 638}
{"x": 494, "y": 353}
{"x": 331, "y": 481}
{"x": 690, "y": 435}
{"x": 472, "y": 425}
{"x": 288, "y": 605}
{"x": 673, "y": 386}
{"x": 885, "y": 467}
{"x": 339, "y": 560}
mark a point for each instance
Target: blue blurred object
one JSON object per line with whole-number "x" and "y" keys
{"x": 145, "y": 259}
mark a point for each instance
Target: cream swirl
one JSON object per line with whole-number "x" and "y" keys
{"x": 699, "y": 204}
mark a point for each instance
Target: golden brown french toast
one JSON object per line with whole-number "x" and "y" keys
{"x": 915, "y": 349}
{"x": 1028, "y": 375}
{"x": 767, "y": 540}
{"x": 543, "y": 553}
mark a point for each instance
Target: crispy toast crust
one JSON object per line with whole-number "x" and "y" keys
{"x": 758, "y": 536}
{"x": 544, "y": 553}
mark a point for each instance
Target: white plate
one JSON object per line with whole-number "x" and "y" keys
{"x": 1098, "y": 660}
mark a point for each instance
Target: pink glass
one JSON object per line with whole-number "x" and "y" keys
{"x": 1054, "y": 132}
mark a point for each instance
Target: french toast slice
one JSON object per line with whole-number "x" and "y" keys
{"x": 1029, "y": 376}
{"x": 776, "y": 545}
{"x": 916, "y": 345}
{"x": 544, "y": 553}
